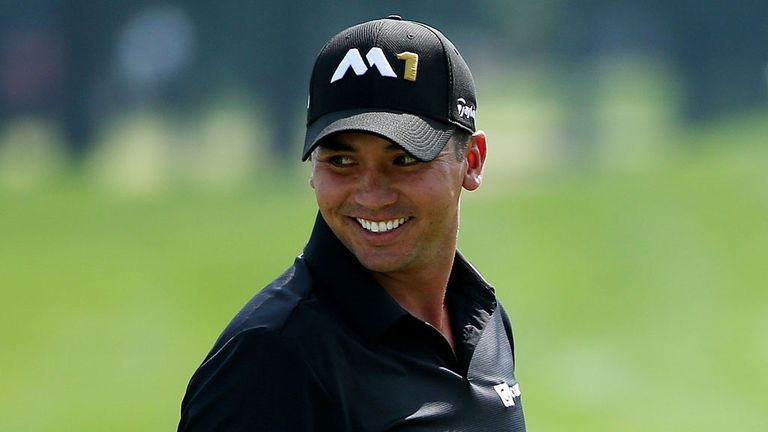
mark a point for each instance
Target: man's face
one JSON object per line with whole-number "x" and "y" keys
{"x": 392, "y": 211}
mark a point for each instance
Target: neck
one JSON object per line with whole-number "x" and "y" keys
{"x": 422, "y": 293}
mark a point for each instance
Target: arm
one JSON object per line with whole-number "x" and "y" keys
{"x": 508, "y": 331}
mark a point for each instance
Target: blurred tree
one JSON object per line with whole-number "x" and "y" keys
{"x": 89, "y": 30}
{"x": 722, "y": 51}
{"x": 60, "y": 59}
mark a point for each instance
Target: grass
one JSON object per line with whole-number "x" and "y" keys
{"x": 638, "y": 297}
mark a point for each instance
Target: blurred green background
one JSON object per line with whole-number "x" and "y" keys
{"x": 150, "y": 185}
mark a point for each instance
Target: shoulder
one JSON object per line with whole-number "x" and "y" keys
{"x": 255, "y": 381}
{"x": 260, "y": 361}
{"x": 284, "y": 303}
{"x": 285, "y": 319}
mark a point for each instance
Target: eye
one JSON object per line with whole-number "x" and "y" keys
{"x": 406, "y": 160}
{"x": 341, "y": 160}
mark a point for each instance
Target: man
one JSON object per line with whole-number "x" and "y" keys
{"x": 381, "y": 324}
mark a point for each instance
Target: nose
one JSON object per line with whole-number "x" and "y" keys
{"x": 375, "y": 190}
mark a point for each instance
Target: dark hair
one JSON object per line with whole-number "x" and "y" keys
{"x": 460, "y": 141}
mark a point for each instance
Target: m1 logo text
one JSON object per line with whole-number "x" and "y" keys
{"x": 376, "y": 59}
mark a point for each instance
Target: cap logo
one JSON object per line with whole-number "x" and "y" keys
{"x": 465, "y": 110}
{"x": 411, "y": 65}
{"x": 377, "y": 59}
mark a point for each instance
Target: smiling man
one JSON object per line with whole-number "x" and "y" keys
{"x": 381, "y": 324}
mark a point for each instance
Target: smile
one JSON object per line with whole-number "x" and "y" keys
{"x": 381, "y": 226}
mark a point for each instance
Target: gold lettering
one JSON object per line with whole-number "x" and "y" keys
{"x": 411, "y": 64}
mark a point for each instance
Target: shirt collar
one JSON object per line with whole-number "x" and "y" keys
{"x": 362, "y": 301}
{"x": 369, "y": 308}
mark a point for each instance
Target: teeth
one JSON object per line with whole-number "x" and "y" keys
{"x": 382, "y": 226}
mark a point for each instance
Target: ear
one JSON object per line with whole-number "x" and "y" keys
{"x": 476, "y": 152}
{"x": 311, "y": 179}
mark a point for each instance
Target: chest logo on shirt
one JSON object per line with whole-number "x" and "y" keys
{"x": 507, "y": 393}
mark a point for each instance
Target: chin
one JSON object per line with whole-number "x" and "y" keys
{"x": 377, "y": 266}
{"x": 380, "y": 264}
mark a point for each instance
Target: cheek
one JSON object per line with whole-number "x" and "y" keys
{"x": 440, "y": 191}
{"x": 329, "y": 192}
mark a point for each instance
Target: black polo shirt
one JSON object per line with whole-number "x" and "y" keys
{"x": 325, "y": 348}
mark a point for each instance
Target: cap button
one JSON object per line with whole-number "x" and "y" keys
{"x": 395, "y": 17}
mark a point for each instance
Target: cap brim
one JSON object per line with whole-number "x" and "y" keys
{"x": 422, "y": 137}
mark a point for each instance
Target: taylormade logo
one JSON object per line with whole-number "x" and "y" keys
{"x": 465, "y": 110}
{"x": 377, "y": 59}
{"x": 507, "y": 393}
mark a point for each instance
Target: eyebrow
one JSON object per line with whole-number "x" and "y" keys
{"x": 333, "y": 144}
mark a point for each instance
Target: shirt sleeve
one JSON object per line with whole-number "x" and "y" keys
{"x": 256, "y": 382}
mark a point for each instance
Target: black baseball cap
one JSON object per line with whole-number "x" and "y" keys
{"x": 398, "y": 79}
